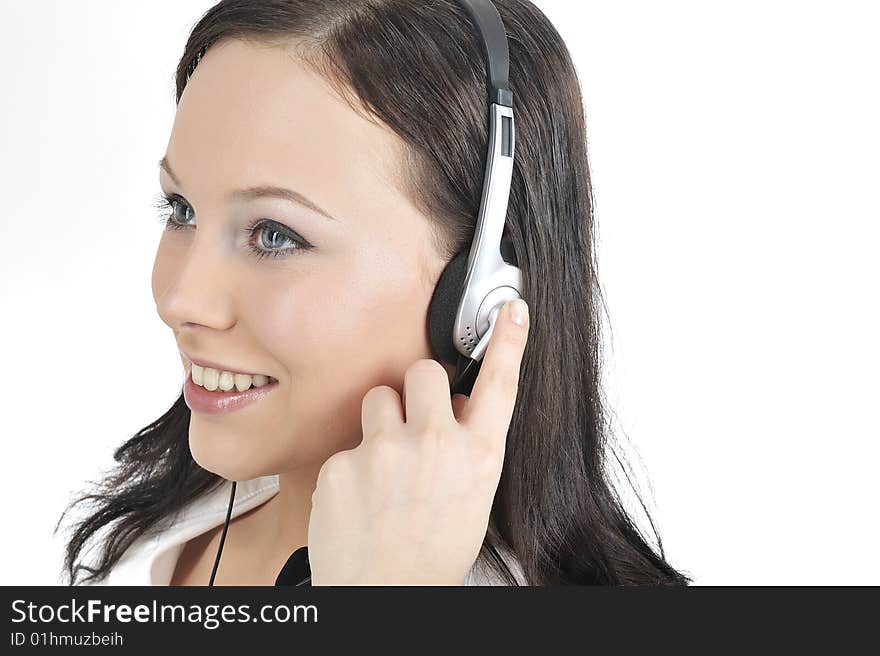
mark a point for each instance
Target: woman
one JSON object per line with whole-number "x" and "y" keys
{"x": 374, "y": 112}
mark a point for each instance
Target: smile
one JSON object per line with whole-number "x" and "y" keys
{"x": 206, "y": 401}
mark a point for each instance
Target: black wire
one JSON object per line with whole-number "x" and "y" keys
{"x": 223, "y": 535}
{"x": 465, "y": 375}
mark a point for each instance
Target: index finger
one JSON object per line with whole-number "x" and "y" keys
{"x": 490, "y": 407}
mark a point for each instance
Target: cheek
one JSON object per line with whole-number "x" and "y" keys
{"x": 365, "y": 311}
{"x": 164, "y": 266}
{"x": 358, "y": 324}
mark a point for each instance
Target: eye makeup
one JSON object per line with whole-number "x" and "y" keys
{"x": 266, "y": 237}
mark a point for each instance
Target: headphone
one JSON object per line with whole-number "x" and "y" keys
{"x": 478, "y": 281}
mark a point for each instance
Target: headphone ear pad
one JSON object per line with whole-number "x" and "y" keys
{"x": 444, "y": 305}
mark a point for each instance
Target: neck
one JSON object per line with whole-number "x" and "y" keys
{"x": 282, "y": 522}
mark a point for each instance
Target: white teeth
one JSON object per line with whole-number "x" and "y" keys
{"x": 226, "y": 381}
{"x": 242, "y": 382}
{"x": 212, "y": 379}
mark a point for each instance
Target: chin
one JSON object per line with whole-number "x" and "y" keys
{"x": 228, "y": 456}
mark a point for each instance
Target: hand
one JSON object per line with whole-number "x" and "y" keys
{"x": 410, "y": 504}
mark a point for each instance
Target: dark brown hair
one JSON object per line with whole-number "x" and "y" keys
{"x": 419, "y": 68}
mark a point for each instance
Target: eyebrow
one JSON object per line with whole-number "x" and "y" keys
{"x": 263, "y": 191}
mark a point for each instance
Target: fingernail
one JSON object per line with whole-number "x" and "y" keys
{"x": 519, "y": 312}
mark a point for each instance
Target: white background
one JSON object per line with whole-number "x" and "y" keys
{"x": 734, "y": 152}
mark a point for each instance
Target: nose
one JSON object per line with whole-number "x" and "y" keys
{"x": 195, "y": 285}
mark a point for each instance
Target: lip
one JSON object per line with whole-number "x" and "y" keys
{"x": 214, "y": 365}
{"x": 218, "y": 402}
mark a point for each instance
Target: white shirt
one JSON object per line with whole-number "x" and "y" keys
{"x": 152, "y": 558}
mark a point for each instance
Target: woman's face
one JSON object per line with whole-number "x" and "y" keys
{"x": 335, "y": 306}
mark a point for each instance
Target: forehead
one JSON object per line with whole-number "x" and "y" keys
{"x": 253, "y": 114}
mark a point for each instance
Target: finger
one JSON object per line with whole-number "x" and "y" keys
{"x": 493, "y": 397}
{"x": 426, "y": 393}
{"x": 381, "y": 409}
{"x": 459, "y": 401}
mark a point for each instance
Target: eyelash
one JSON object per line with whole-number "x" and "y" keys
{"x": 164, "y": 203}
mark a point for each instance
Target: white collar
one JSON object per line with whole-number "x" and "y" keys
{"x": 151, "y": 559}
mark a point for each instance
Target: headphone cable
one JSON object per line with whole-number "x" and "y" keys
{"x": 223, "y": 535}
{"x": 465, "y": 375}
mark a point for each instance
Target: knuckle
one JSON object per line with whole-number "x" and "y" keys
{"x": 384, "y": 453}
{"x": 512, "y": 339}
{"x": 504, "y": 378}
{"x": 434, "y": 429}
{"x": 334, "y": 468}
{"x": 489, "y": 459}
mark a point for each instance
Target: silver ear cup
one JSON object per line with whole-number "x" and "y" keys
{"x": 445, "y": 302}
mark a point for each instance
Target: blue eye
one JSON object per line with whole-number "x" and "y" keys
{"x": 175, "y": 212}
